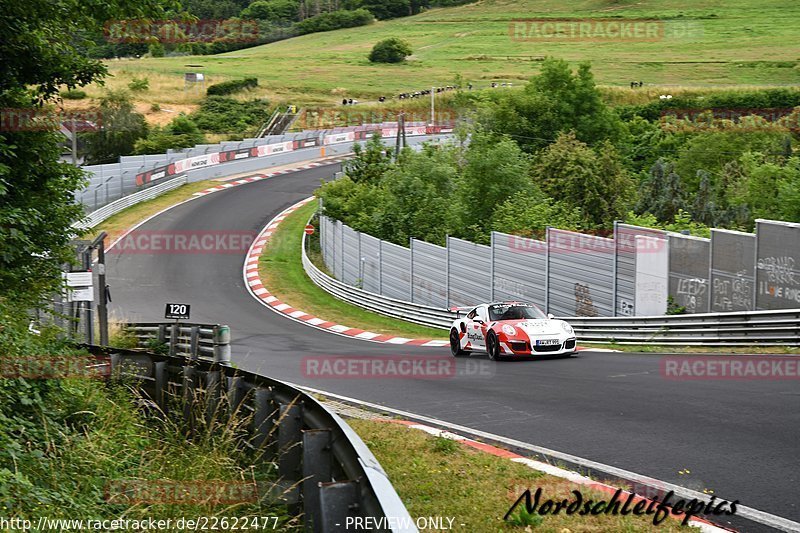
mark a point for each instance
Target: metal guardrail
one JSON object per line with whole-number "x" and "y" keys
{"x": 323, "y": 466}
{"x": 98, "y": 216}
{"x": 411, "y": 312}
{"x": 746, "y": 328}
{"x": 189, "y": 340}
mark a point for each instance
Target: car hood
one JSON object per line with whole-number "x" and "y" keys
{"x": 538, "y": 327}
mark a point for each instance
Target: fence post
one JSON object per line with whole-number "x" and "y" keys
{"x": 317, "y": 468}
{"x": 411, "y": 270}
{"x": 213, "y": 383}
{"x": 614, "y": 271}
{"x": 189, "y": 392}
{"x": 547, "y": 271}
{"x": 447, "y": 272}
{"x": 491, "y": 266}
{"x": 380, "y": 267}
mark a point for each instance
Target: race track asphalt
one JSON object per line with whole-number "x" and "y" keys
{"x": 739, "y": 438}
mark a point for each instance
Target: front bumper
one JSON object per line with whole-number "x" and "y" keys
{"x": 523, "y": 348}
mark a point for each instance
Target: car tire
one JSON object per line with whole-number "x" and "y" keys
{"x": 455, "y": 344}
{"x": 493, "y": 346}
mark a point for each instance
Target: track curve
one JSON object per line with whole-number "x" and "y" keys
{"x": 739, "y": 438}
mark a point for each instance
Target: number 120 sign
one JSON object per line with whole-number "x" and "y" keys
{"x": 177, "y": 311}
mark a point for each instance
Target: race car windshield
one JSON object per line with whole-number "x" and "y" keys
{"x": 515, "y": 312}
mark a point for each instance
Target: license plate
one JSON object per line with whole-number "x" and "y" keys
{"x": 547, "y": 342}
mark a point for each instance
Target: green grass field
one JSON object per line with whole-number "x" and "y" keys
{"x": 732, "y": 42}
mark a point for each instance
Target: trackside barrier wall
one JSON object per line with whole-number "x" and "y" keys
{"x": 577, "y": 275}
{"x": 113, "y": 181}
{"x": 778, "y": 328}
{"x": 323, "y": 468}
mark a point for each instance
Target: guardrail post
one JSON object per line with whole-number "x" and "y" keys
{"x": 189, "y": 393}
{"x": 290, "y": 424}
{"x": 173, "y": 340}
{"x": 338, "y": 501}
{"x": 162, "y": 333}
{"x": 317, "y": 468}
{"x": 160, "y": 384}
{"x": 194, "y": 343}
{"x": 213, "y": 384}
{"x": 222, "y": 345}
{"x": 262, "y": 418}
{"x": 236, "y": 394}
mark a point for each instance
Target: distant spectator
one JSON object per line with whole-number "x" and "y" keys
{"x": 344, "y": 101}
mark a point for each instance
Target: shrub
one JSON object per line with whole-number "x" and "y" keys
{"x": 392, "y": 50}
{"x": 73, "y": 94}
{"x": 218, "y": 114}
{"x": 139, "y": 84}
{"x": 334, "y": 21}
{"x": 232, "y": 86}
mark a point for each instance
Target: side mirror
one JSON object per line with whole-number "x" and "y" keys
{"x": 551, "y": 316}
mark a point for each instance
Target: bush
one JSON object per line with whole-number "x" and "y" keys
{"x": 392, "y": 50}
{"x": 232, "y": 86}
{"x": 218, "y": 114}
{"x": 139, "y": 84}
{"x": 334, "y": 20}
{"x": 73, "y": 94}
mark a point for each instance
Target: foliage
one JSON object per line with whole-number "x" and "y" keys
{"x": 232, "y": 86}
{"x": 120, "y": 128}
{"x": 73, "y": 94}
{"x": 554, "y": 101}
{"x": 182, "y": 132}
{"x": 42, "y": 50}
{"x": 139, "y": 84}
{"x": 272, "y": 10}
{"x": 333, "y": 21}
{"x": 391, "y": 50}
{"x": 595, "y": 181}
{"x": 661, "y": 193}
{"x": 529, "y": 215}
{"x": 218, "y": 114}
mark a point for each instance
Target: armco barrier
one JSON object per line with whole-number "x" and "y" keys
{"x": 116, "y": 206}
{"x": 323, "y": 466}
{"x": 767, "y": 328}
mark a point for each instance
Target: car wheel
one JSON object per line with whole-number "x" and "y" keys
{"x": 455, "y": 344}
{"x": 493, "y": 346}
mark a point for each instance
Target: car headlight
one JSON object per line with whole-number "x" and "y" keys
{"x": 567, "y": 328}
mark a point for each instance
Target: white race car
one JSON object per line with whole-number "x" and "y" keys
{"x": 510, "y": 329}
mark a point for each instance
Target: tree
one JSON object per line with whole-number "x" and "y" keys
{"x": 392, "y": 50}
{"x": 272, "y": 10}
{"x": 554, "y": 101}
{"x": 661, "y": 193}
{"x": 370, "y": 162}
{"x": 571, "y": 172}
{"x": 704, "y": 206}
{"x": 182, "y": 132}
{"x": 494, "y": 169}
{"x": 528, "y": 215}
{"x": 120, "y": 128}
{"x": 42, "y": 50}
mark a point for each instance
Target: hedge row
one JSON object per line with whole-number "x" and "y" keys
{"x": 230, "y": 87}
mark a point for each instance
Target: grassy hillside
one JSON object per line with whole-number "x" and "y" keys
{"x": 732, "y": 42}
